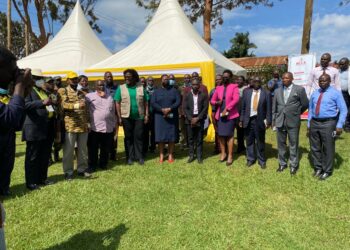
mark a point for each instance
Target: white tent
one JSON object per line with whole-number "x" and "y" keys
{"x": 74, "y": 48}
{"x": 169, "y": 44}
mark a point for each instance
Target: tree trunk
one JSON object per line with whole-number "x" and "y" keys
{"x": 39, "y": 5}
{"x": 9, "y": 24}
{"x": 305, "y": 46}
{"x": 207, "y": 20}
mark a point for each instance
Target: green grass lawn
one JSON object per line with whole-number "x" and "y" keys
{"x": 185, "y": 206}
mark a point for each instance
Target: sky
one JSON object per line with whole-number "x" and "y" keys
{"x": 275, "y": 31}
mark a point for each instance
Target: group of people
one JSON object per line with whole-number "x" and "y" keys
{"x": 85, "y": 122}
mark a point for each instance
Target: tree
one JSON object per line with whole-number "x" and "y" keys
{"x": 305, "y": 43}
{"x": 210, "y": 10}
{"x": 50, "y": 11}
{"x": 16, "y": 33}
{"x": 240, "y": 46}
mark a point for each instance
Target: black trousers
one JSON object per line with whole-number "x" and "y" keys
{"x": 240, "y": 138}
{"x": 347, "y": 101}
{"x": 255, "y": 141}
{"x": 7, "y": 158}
{"x": 99, "y": 146}
{"x": 113, "y": 147}
{"x": 37, "y": 157}
{"x": 133, "y": 131}
{"x": 195, "y": 140}
{"x": 37, "y": 161}
{"x": 322, "y": 144}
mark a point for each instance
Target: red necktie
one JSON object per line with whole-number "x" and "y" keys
{"x": 318, "y": 105}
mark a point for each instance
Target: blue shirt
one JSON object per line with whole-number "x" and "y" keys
{"x": 12, "y": 115}
{"x": 270, "y": 83}
{"x": 332, "y": 103}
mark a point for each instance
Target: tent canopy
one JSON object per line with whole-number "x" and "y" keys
{"x": 169, "y": 44}
{"x": 74, "y": 48}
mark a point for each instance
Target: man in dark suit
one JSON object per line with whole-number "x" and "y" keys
{"x": 195, "y": 109}
{"x": 289, "y": 103}
{"x": 255, "y": 118}
{"x": 38, "y": 132}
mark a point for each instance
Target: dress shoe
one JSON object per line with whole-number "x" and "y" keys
{"x": 293, "y": 170}
{"x": 32, "y": 187}
{"x": 190, "y": 159}
{"x": 171, "y": 161}
{"x": 262, "y": 165}
{"x": 130, "y": 162}
{"x": 47, "y": 183}
{"x": 281, "y": 168}
{"x": 68, "y": 177}
{"x": 200, "y": 161}
{"x": 85, "y": 174}
{"x": 250, "y": 163}
{"x": 317, "y": 173}
{"x": 141, "y": 162}
{"x": 324, "y": 176}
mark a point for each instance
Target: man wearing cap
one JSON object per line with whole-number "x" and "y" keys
{"x": 38, "y": 131}
{"x": 76, "y": 119}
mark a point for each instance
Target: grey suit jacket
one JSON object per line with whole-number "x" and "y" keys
{"x": 296, "y": 104}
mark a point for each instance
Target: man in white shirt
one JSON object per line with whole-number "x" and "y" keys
{"x": 195, "y": 110}
{"x": 345, "y": 87}
{"x": 324, "y": 68}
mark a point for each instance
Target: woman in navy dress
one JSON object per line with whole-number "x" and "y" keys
{"x": 165, "y": 102}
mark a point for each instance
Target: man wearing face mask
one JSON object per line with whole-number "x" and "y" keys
{"x": 76, "y": 119}
{"x": 110, "y": 89}
{"x": 149, "y": 139}
{"x": 38, "y": 132}
{"x": 12, "y": 113}
{"x": 103, "y": 120}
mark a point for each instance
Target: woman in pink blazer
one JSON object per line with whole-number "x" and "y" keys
{"x": 226, "y": 100}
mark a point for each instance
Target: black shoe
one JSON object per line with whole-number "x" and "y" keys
{"x": 190, "y": 159}
{"x": 85, "y": 174}
{"x": 293, "y": 170}
{"x": 141, "y": 161}
{"x": 47, "y": 183}
{"x": 200, "y": 161}
{"x": 262, "y": 165}
{"x": 32, "y": 187}
{"x": 250, "y": 163}
{"x": 68, "y": 177}
{"x": 317, "y": 173}
{"x": 281, "y": 168}
{"x": 130, "y": 162}
{"x": 324, "y": 176}
{"x": 5, "y": 193}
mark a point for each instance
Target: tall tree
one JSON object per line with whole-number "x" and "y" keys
{"x": 305, "y": 43}
{"x": 240, "y": 46}
{"x": 210, "y": 10}
{"x": 17, "y": 31}
{"x": 49, "y": 11}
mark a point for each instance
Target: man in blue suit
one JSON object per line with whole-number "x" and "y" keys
{"x": 11, "y": 119}
{"x": 256, "y": 117}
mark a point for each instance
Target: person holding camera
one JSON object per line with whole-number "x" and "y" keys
{"x": 11, "y": 119}
{"x": 38, "y": 132}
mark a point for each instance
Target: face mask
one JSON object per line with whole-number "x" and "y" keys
{"x": 39, "y": 83}
{"x": 171, "y": 82}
